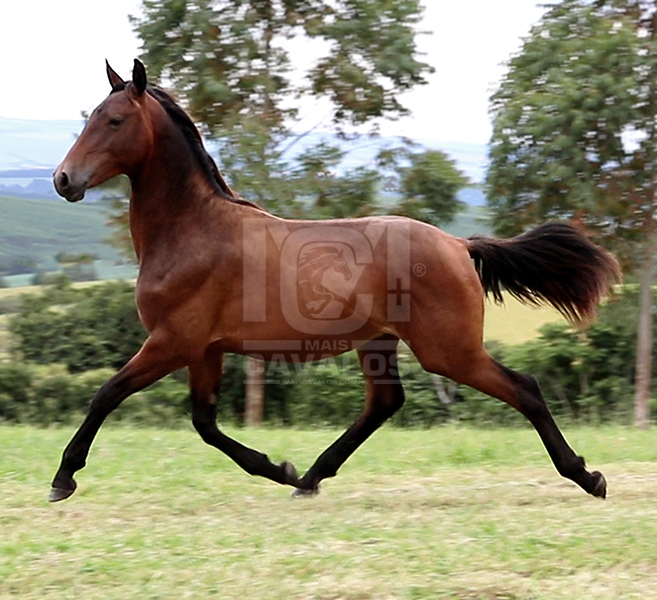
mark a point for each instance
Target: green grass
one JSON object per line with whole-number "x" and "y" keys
{"x": 445, "y": 513}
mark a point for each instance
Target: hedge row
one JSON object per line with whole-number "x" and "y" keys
{"x": 68, "y": 342}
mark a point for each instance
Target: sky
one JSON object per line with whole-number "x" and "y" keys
{"x": 52, "y": 57}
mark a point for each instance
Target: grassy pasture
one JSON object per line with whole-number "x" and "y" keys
{"x": 446, "y": 513}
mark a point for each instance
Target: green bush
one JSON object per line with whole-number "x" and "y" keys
{"x": 50, "y": 395}
{"x": 84, "y": 329}
{"x": 15, "y": 383}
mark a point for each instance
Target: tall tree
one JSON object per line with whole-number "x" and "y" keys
{"x": 575, "y": 138}
{"x": 231, "y": 61}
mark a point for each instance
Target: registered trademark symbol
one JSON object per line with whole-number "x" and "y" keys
{"x": 419, "y": 270}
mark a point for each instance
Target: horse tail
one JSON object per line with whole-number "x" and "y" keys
{"x": 553, "y": 264}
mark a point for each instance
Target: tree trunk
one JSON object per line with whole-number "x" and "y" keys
{"x": 254, "y": 401}
{"x": 644, "y": 338}
{"x": 446, "y": 394}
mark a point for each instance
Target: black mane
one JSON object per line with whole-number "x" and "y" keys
{"x": 193, "y": 139}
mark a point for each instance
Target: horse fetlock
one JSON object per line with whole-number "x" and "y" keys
{"x": 572, "y": 469}
{"x": 290, "y": 475}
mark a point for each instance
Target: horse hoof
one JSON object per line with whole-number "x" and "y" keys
{"x": 301, "y": 493}
{"x": 290, "y": 475}
{"x": 58, "y": 493}
{"x": 600, "y": 488}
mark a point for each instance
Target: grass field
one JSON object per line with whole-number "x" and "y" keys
{"x": 445, "y": 513}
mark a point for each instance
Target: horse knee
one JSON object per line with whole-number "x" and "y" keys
{"x": 397, "y": 400}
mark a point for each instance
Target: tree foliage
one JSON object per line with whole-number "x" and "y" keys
{"x": 563, "y": 118}
{"x": 429, "y": 187}
{"x": 232, "y": 58}
{"x": 237, "y": 66}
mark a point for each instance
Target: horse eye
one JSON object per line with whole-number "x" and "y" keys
{"x": 116, "y": 121}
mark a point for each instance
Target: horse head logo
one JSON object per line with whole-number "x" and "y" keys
{"x": 322, "y": 276}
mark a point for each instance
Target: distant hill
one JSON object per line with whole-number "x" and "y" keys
{"x": 39, "y": 229}
{"x": 30, "y": 151}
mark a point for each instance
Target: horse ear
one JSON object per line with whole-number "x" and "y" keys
{"x": 139, "y": 80}
{"x": 114, "y": 78}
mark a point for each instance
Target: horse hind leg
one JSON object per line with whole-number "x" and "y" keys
{"x": 522, "y": 393}
{"x": 384, "y": 396}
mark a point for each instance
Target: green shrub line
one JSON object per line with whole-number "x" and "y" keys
{"x": 67, "y": 342}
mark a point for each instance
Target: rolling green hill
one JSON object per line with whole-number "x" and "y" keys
{"x": 40, "y": 229}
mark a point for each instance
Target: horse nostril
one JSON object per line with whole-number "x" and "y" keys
{"x": 63, "y": 179}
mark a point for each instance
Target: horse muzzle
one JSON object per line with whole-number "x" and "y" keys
{"x": 68, "y": 186}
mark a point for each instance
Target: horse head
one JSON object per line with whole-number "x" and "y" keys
{"x": 341, "y": 266}
{"x": 114, "y": 140}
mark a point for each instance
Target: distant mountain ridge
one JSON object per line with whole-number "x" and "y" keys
{"x": 31, "y": 149}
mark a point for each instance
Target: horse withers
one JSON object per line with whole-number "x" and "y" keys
{"x": 218, "y": 274}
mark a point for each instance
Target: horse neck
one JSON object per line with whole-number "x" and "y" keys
{"x": 170, "y": 175}
{"x": 168, "y": 186}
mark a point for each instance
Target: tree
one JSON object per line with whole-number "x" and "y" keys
{"x": 78, "y": 267}
{"x": 574, "y": 137}
{"x": 429, "y": 187}
{"x": 330, "y": 194}
{"x": 231, "y": 61}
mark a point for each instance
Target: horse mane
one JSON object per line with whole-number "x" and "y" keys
{"x": 193, "y": 138}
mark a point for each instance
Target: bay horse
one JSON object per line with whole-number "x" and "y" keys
{"x": 218, "y": 274}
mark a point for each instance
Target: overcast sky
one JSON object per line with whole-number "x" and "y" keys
{"x": 52, "y": 56}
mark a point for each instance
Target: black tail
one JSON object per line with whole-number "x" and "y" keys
{"x": 552, "y": 264}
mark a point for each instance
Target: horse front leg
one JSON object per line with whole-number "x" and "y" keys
{"x": 204, "y": 383}
{"x": 151, "y": 363}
